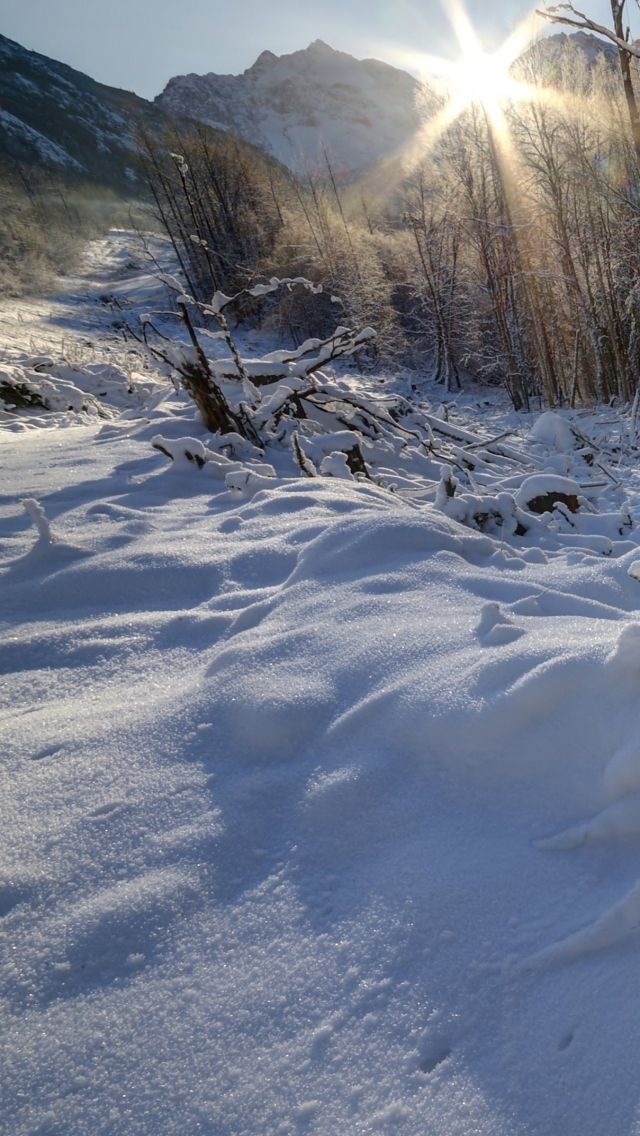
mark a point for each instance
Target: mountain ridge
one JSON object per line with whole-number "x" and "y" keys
{"x": 300, "y": 104}
{"x": 51, "y": 114}
{"x": 300, "y": 108}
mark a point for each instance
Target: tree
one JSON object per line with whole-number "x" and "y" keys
{"x": 620, "y": 36}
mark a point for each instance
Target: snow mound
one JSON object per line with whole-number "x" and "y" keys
{"x": 320, "y": 803}
{"x": 555, "y": 432}
{"x": 281, "y": 763}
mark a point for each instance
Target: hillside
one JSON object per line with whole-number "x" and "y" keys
{"x": 52, "y": 115}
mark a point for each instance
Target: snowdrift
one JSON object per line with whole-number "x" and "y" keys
{"x": 320, "y": 804}
{"x": 287, "y": 773}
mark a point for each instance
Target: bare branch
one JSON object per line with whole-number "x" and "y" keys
{"x": 585, "y": 23}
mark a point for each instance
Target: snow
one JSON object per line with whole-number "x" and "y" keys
{"x": 47, "y": 150}
{"x": 555, "y": 431}
{"x": 319, "y": 808}
{"x": 298, "y": 106}
{"x": 544, "y": 484}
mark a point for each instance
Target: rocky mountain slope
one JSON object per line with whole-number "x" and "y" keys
{"x": 593, "y": 47}
{"x": 296, "y": 106}
{"x": 52, "y": 115}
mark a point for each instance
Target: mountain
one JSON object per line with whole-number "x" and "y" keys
{"x": 296, "y": 106}
{"x": 549, "y": 52}
{"x": 591, "y": 46}
{"x": 52, "y": 115}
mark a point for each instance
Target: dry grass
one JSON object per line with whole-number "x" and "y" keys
{"x": 44, "y": 226}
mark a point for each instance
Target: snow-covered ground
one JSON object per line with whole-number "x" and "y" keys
{"x": 320, "y": 809}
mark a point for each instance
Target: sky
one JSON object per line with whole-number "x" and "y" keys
{"x": 141, "y": 44}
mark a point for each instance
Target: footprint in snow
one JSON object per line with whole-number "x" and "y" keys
{"x": 10, "y": 897}
{"x": 105, "y": 810}
{"x": 49, "y": 751}
{"x": 434, "y": 1057}
{"x": 230, "y": 525}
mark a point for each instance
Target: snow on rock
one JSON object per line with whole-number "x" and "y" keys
{"x": 542, "y": 488}
{"x": 554, "y": 431}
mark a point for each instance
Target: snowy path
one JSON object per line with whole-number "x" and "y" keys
{"x": 78, "y": 321}
{"x": 274, "y": 776}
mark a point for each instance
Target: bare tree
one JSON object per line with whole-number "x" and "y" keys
{"x": 620, "y": 36}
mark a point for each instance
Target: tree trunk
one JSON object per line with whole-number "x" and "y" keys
{"x": 625, "y": 68}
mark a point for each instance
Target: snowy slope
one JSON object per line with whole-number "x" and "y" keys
{"x": 280, "y": 770}
{"x": 54, "y": 115}
{"x": 296, "y": 106}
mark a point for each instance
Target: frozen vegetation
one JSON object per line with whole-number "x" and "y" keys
{"x": 321, "y": 773}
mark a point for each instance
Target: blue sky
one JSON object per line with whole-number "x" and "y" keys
{"x": 140, "y": 44}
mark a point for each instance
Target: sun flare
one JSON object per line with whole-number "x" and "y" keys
{"x": 481, "y": 78}
{"x": 478, "y": 77}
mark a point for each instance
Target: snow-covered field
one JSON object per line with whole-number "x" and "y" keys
{"x": 320, "y": 810}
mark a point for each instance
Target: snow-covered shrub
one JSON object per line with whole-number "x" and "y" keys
{"x": 496, "y": 514}
{"x": 187, "y": 453}
{"x": 224, "y": 391}
{"x": 38, "y": 383}
{"x": 286, "y": 408}
{"x": 22, "y": 387}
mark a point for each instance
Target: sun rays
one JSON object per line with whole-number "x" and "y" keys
{"x": 477, "y": 78}
{"x": 505, "y": 90}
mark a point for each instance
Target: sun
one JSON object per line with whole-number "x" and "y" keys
{"x": 477, "y": 77}
{"x": 481, "y": 77}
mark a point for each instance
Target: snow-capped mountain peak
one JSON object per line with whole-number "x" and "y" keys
{"x": 300, "y": 105}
